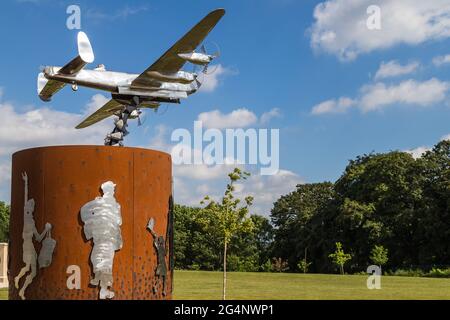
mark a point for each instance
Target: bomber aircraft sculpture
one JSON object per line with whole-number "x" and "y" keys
{"x": 163, "y": 82}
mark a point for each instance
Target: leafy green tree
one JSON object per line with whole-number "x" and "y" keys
{"x": 432, "y": 236}
{"x": 227, "y": 218}
{"x": 303, "y": 265}
{"x": 193, "y": 248}
{"x": 339, "y": 257}
{"x": 379, "y": 255}
{"x": 389, "y": 198}
{"x": 378, "y": 198}
{"x": 303, "y": 219}
{"x": 4, "y": 222}
{"x": 261, "y": 239}
{"x": 267, "y": 266}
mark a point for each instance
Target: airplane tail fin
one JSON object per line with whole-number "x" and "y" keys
{"x": 85, "y": 56}
{"x": 46, "y": 87}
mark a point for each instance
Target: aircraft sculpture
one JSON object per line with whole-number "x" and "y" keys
{"x": 162, "y": 82}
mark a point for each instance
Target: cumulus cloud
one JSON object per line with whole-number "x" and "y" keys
{"x": 212, "y": 80}
{"x": 267, "y": 189}
{"x": 340, "y": 105}
{"x": 267, "y": 116}
{"x": 97, "y": 101}
{"x": 379, "y": 95}
{"x": 239, "y": 118}
{"x": 340, "y": 25}
{"x": 446, "y": 137}
{"x": 441, "y": 60}
{"x": 394, "y": 69}
{"x": 407, "y": 92}
{"x": 192, "y": 182}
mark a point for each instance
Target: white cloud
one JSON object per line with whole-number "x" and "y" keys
{"x": 340, "y": 105}
{"x": 446, "y": 137}
{"x": 440, "y": 60}
{"x": 267, "y": 189}
{"x": 239, "y": 118}
{"x": 97, "y": 101}
{"x": 418, "y": 152}
{"x": 5, "y": 178}
{"x": 267, "y": 116}
{"x": 407, "y": 92}
{"x": 120, "y": 14}
{"x": 379, "y": 95}
{"x": 394, "y": 69}
{"x": 212, "y": 80}
{"x": 159, "y": 138}
{"x": 193, "y": 182}
{"x": 340, "y": 25}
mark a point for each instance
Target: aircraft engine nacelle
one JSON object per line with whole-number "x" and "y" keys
{"x": 196, "y": 58}
{"x": 179, "y": 77}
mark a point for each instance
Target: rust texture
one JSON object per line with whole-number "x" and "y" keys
{"x": 61, "y": 180}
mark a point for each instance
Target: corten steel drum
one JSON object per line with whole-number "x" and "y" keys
{"x": 61, "y": 180}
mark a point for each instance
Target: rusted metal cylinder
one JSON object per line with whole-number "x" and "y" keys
{"x": 61, "y": 180}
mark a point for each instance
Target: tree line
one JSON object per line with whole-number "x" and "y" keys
{"x": 387, "y": 207}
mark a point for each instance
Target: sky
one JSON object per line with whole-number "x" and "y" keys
{"x": 335, "y": 87}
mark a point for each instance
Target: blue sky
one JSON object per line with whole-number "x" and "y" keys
{"x": 274, "y": 55}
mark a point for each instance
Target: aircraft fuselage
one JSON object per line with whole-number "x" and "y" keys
{"x": 169, "y": 88}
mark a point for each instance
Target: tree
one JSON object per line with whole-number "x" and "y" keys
{"x": 227, "y": 218}
{"x": 303, "y": 265}
{"x": 339, "y": 257}
{"x": 4, "y": 222}
{"x": 390, "y": 198}
{"x": 379, "y": 198}
{"x": 379, "y": 255}
{"x": 432, "y": 232}
{"x": 193, "y": 248}
{"x": 302, "y": 220}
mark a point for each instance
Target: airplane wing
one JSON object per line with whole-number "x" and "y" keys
{"x": 47, "y": 88}
{"x": 170, "y": 62}
{"x": 111, "y": 107}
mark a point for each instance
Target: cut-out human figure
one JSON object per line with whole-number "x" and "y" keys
{"x": 102, "y": 220}
{"x": 160, "y": 246}
{"x": 28, "y": 251}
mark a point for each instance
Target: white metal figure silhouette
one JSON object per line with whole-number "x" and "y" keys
{"x": 29, "y": 252}
{"x": 102, "y": 220}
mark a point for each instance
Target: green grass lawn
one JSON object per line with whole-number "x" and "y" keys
{"x": 208, "y": 285}
{"x": 3, "y": 294}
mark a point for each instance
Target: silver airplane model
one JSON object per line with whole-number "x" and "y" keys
{"x": 162, "y": 82}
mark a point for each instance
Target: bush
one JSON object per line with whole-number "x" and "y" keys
{"x": 280, "y": 265}
{"x": 240, "y": 264}
{"x": 406, "y": 273}
{"x": 267, "y": 266}
{"x": 438, "y": 273}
